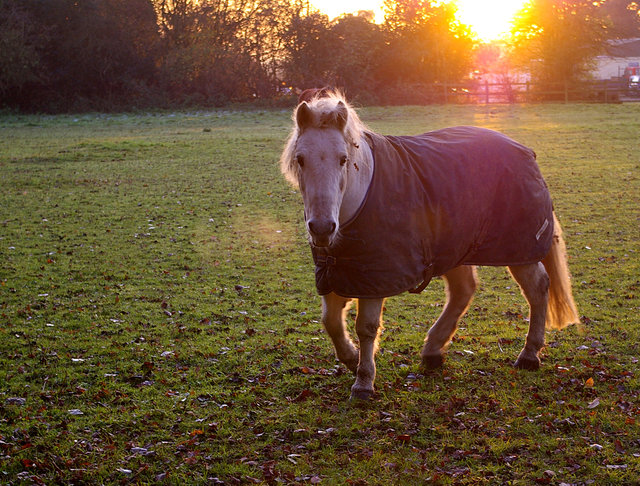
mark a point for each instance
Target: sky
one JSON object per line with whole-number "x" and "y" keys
{"x": 490, "y": 19}
{"x": 334, "y": 8}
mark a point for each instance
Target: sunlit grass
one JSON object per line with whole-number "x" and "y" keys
{"x": 159, "y": 321}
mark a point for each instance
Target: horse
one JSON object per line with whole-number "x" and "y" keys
{"x": 385, "y": 214}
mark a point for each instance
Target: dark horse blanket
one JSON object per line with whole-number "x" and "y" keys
{"x": 457, "y": 196}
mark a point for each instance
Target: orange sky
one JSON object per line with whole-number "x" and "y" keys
{"x": 490, "y": 19}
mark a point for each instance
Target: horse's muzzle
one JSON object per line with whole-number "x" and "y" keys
{"x": 321, "y": 231}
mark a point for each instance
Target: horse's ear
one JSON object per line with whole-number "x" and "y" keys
{"x": 341, "y": 115}
{"x": 304, "y": 116}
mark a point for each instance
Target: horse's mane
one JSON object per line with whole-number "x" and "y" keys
{"x": 324, "y": 106}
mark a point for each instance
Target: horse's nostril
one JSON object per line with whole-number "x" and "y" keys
{"x": 322, "y": 227}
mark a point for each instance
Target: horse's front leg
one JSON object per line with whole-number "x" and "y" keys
{"x": 368, "y": 328}
{"x": 334, "y": 310}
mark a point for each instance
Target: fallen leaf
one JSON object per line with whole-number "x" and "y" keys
{"x": 589, "y": 383}
{"x": 594, "y": 403}
{"x": 304, "y": 394}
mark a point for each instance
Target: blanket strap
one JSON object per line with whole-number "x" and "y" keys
{"x": 428, "y": 274}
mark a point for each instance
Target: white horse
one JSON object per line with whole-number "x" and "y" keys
{"x": 481, "y": 200}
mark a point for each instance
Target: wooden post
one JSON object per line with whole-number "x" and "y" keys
{"x": 566, "y": 91}
{"x": 486, "y": 91}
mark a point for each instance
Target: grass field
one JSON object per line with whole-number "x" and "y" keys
{"x": 159, "y": 321}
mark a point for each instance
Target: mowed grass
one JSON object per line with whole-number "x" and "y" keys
{"x": 159, "y": 321}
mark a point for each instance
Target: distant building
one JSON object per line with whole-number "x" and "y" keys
{"x": 621, "y": 61}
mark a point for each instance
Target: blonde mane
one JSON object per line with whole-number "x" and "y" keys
{"x": 324, "y": 108}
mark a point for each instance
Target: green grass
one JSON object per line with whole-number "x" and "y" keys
{"x": 159, "y": 321}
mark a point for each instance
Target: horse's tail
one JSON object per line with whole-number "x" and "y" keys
{"x": 562, "y": 309}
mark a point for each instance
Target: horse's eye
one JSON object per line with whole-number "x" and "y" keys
{"x": 343, "y": 159}
{"x": 300, "y": 160}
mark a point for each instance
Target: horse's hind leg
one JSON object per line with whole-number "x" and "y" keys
{"x": 461, "y": 283}
{"x": 534, "y": 283}
{"x": 334, "y": 310}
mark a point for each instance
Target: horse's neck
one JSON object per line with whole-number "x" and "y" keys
{"x": 358, "y": 181}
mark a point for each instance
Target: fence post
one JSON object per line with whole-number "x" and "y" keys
{"x": 566, "y": 91}
{"x": 444, "y": 86}
{"x": 486, "y": 92}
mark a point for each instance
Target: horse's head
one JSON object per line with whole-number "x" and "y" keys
{"x": 316, "y": 160}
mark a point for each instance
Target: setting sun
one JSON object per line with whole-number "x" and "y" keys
{"x": 489, "y": 19}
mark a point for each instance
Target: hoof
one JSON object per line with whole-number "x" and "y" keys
{"x": 361, "y": 395}
{"x": 432, "y": 362}
{"x": 527, "y": 364}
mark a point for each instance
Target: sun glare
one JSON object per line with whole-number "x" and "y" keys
{"x": 489, "y": 19}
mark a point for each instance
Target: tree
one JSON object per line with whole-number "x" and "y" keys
{"x": 20, "y": 42}
{"x": 359, "y": 43}
{"x": 309, "y": 51}
{"x": 624, "y": 18}
{"x": 556, "y": 40}
{"x": 426, "y": 42}
{"x": 97, "y": 53}
{"x": 215, "y": 51}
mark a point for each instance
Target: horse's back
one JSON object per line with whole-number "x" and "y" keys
{"x": 482, "y": 189}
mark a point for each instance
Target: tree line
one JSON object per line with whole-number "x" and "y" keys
{"x": 70, "y": 55}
